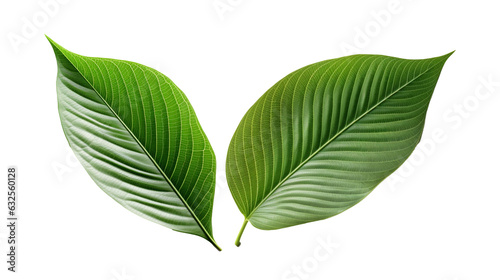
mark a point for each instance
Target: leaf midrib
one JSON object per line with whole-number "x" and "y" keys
{"x": 330, "y": 140}
{"x": 146, "y": 152}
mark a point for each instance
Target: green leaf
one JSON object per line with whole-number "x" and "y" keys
{"x": 138, "y": 137}
{"x": 322, "y": 138}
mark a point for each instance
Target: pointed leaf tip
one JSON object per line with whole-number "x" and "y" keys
{"x": 449, "y": 54}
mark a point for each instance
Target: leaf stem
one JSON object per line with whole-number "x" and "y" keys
{"x": 238, "y": 243}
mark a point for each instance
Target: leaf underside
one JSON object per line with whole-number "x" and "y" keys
{"x": 138, "y": 137}
{"x": 322, "y": 138}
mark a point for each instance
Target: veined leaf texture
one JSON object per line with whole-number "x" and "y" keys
{"x": 138, "y": 137}
{"x": 322, "y": 138}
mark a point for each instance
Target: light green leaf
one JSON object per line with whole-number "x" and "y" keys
{"x": 138, "y": 137}
{"x": 322, "y": 138}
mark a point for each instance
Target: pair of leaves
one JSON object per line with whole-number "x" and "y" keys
{"x": 311, "y": 147}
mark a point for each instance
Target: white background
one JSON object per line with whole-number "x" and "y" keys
{"x": 438, "y": 217}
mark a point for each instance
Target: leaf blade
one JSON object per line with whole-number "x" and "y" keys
{"x": 311, "y": 135}
{"x": 164, "y": 170}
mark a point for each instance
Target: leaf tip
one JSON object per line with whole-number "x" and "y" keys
{"x": 441, "y": 60}
{"x": 50, "y": 40}
{"x": 446, "y": 56}
{"x": 58, "y": 49}
{"x": 55, "y": 45}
